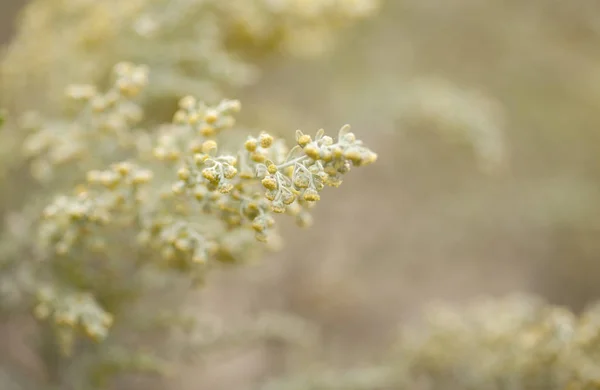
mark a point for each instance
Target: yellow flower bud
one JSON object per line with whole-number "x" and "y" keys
{"x": 251, "y": 145}
{"x": 225, "y": 187}
{"x": 353, "y": 155}
{"x": 266, "y": 140}
{"x": 304, "y": 140}
{"x": 272, "y": 169}
{"x": 207, "y": 131}
{"x": 312, "y": 151}
{"x": 278, "y": 207}
{"x": 311, "y": 195}
{"x": 229, "y": 172}
{"x": 183, "y": 173}
{"x": 210, "y": 174}
{"x": 211, "y": 116}
{"x": 258, "y": 157}
{"x": 269, "y": 183}
{"x": 208, "y": 146}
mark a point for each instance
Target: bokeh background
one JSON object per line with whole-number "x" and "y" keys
{"x": 485, "y": 116}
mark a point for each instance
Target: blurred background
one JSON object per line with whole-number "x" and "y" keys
{"x": 485, "y": 116}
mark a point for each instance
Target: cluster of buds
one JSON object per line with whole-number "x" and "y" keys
{"x": 70, "y": 219}
{"x": 245, "y": 189}
{"x": 194, "y": 121}
{"x": 321, "y": 162}
{"x": 102, "y": 122}
{"x": 205, "y": 206}
{"x": 517, "y": 342}
{"x": 71, "y": 313}
{"x": 300, "y": 27}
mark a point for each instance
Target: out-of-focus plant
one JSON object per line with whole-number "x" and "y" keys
{"x": 122, "y": 214}
{"x": 514, "y": 343}
{"x": 98, "y": 248}
{"x": 459, "y": 115}
{"x": 198, "y": 47}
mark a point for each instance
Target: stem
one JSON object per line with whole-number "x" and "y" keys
{"x": 292, "y": 162}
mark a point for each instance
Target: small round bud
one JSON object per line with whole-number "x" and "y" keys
{"x": 301, "y": 181}
{"x": 245, "y": 174}
{"x": 312, "y": 151}
{"x": 278, "y": 207}
{"x": 288, "y": 198}
{"x": 311, "y": 195}
{"x": 229, "y": 172}
{"x": 225, "y": 187}
{"x": 333, "y": 181}
{"x": 326, "y": 155}
{"x": 304, "y": 140}
{"x": 337, "y": 152}
{"x": 183, "y": 173}
{"x": 251, "y": 144}
{"x": 354, "y": 155}
{"x": 258, "y": 157}
{"x": 211, "y": 116}
{"x": 272, "y": 169}
{"x": 209, "y": 146}
{"x": 262, "y": 237}
{"x": 271, "y": 195}
{"x": 269, "y": 183}
{"x": 207, "y": 131}
{"x": 266, "y": 140}
{"x": 196, "y": 146}
{"x": 210, "y": 174}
